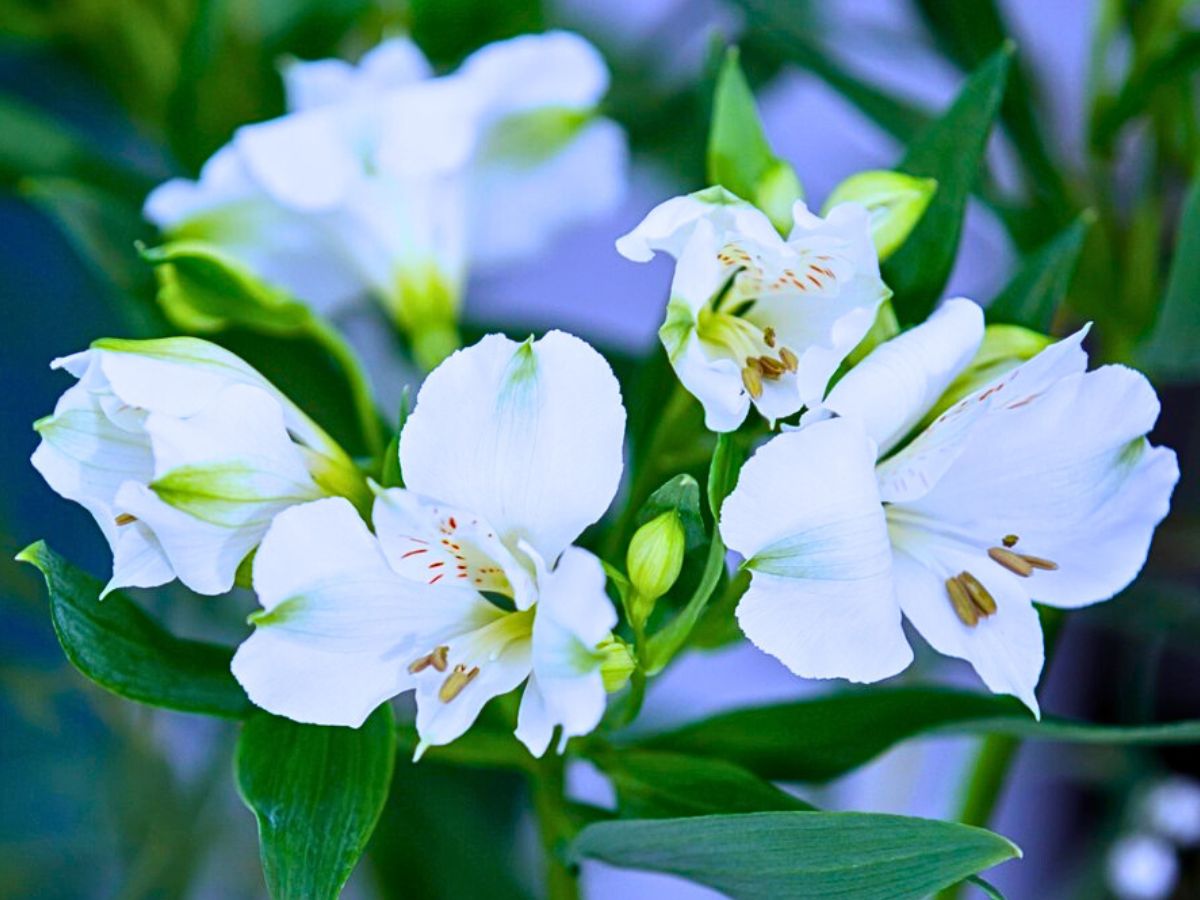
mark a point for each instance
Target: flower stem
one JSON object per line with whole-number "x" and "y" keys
{"x": 554, "y": 826}
{"x": 356, "y": 378}
{"x": 986, "y": 779}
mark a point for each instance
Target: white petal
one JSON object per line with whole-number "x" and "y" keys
{"x": 914, "y": 471}
{"x": 220, "y": 477}
{"x": 138, "y": 559}
{"x": 669, "y": 226}
{"x": 555, "y": 69}
{"x": 340, "y": 627}
{"x": 501, "y": 653}
{"x": 529, "y": 436}
{"x": 434, "y": 544}
{"x": 1005, "y": 648}
{"x": 322, "y": 82}
{"x": 224, "y": 181}
{"x": 806, "y": 516}
{"x": 306, "y": 161}
{"x": 1069, "y": 473}
{"x": 574, "y": 615}
{"x": 900, "y": 380}
{"x": 394, "y": 63}
{"x": 519, "y": 209}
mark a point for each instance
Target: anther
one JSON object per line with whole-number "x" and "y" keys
{"x": 769, "y": 336}
{"x": 1014, "y": 562}
{"x": 961, "y": 601}
{"x": 1009, "y": 540}
{"x": 1047, "y": 565}
{"x": 437, "y": 659}
{"x": 752, "y": 379}
{"x": 789, "y": 360}
{"x": 125, "y": 519}
{"x": 984, "y": 601}
{"x": 770, "y": 368}
{"x": 456, "y": 681}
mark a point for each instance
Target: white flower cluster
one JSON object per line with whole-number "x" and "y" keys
{"x": 910, "y": 487}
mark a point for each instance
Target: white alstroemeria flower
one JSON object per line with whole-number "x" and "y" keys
{"x": 182, "y": 453}
{"x": 754, "y": 319}
{"x": 383, "y": 180}
{"x": 512, "y": 450}
{"x": 1040, "y": 486}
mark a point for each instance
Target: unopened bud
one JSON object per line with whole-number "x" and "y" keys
{"x": 616, "y": 665}
{"x": 776, "y": 192}
{"x": 654, "y": 559}
{"x": 895, "y": 201}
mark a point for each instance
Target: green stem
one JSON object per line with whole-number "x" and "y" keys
{"x": 554, "y": 826}
{"x": 986, "y": 779}
{"x": 356, "y": 377}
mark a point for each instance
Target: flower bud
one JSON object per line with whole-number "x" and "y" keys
{"x": 895, "y": 201}
{"x": 617, "y": 663}
{"x": 654, "y": 560}
{"x": 775, "y": 193}
{"x": 425, "y": 307}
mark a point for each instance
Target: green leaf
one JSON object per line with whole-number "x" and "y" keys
{"x": 317, "y": 793}
{"x": 740, "y": 158}
{"x": 118, "y": 646}
{"x": 1040, "y": 286}
{"x": 780, "y": 855}
{"x": 656, "y": 785}
{"x": 988, "y": 888}
{"x": 1175, "y": 63}
{"x": 1170, "y": 353}
{"x": 816, "y": 740}
{"x": 951, "y": 151}
{"x": 680, "y": 495}
{"x": 389, "y": 473}
{"x": 723, "y": 472}
{"x": 202, "y": 289}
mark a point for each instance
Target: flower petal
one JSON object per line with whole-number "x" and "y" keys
{"x": 220, "y": 477}
{"x": 900, "y": 380}
{"x": 573, "y": 616}
{"x": 434, "y": 544}
{"x": 914, "y": 471}
{"x": 807, "y": 517}
{"x": 529, "y": 436}
{"x": 499, "y": 656}
{"x": 339, "y": 628}
{"x": 1068, "y": 472}
{"x": 1005, "y": 648}
{"x": 669, "y": 226}
{"x": 393, "y": 63}
{"x": 306, "y": 161}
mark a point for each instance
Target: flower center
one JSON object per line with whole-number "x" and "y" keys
{"x": 971, "y": 600}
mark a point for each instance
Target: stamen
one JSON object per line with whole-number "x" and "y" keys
{"x": 752, "y": 379}
{"x": 1014, "y": 562}
{"x": 125, "y": 519}
{"x": 961, "y": 601}
{"x": 1009, "y": 540}
{"x": 1047, "y": 565}
{"x": 984, "y": 601}
{"x": 456, "y": 681}
{"x": 789, "y": 360}
{"x": 437, "y": 659}
{"x": 770, "y": 368}
{"x": 769, "y": 336}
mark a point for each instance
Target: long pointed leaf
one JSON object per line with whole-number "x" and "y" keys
{"x": 1040, "y": 286}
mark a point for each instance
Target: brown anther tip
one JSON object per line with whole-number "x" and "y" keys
{"x": 455, "y": 682}
{"x": 1046, "y": 565}
{"x": 1009, "y": 540}
{"x": 125, "y": 519}
{"x": 1014, "y": 562}
{"x": 770, "y": 368}
{"x": 769, "y": 336}
{"x": 789, "y": 360}
{"x": 984, "y": 602}
{"x": 752, "y": 379}
{"x": 960, "y": 600}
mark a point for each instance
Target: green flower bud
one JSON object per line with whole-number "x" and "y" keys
{"x": 1004, "y": 347}
{"x": 776, "y": 191}
{"x": 896, "y": 202}
{"x": 654, "y": 560}
{"x": 425, "y": 306}
{"x": 617, "y": 663}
